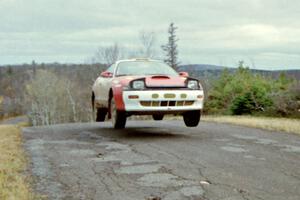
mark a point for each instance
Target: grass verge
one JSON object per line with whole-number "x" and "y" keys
{"x": 13, "y": 183}
{"x": 269, "y": 123}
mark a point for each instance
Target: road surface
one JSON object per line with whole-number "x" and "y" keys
{"x": 163, "y": 160}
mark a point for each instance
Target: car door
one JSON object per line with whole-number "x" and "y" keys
{"x": 101, "y": 87}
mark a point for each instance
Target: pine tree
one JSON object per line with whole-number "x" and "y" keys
{"x": 33, "y": 64}
{"x": 9, "y": 70}
{"x": 170, "y": 48}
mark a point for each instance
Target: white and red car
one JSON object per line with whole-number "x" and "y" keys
{"x": 146, "y": 87}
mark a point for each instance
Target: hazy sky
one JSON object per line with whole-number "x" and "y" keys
{"x": 263, "y": 33}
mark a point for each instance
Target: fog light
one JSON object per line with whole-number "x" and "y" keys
{"x": 200, "y": 96}
{"x": 155, "y": 96}
{"x": 133, "y": 97}
{"x": 183, "y": 96}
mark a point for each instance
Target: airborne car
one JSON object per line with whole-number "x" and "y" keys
{"x": 146, "y": 87}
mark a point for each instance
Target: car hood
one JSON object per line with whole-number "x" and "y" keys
{"x": 164, "y": 81}
{"x": 156, "y": 80}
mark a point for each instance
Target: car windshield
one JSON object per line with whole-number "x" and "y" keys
{"x": 144, "y": 68}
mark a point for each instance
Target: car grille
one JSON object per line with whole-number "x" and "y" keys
{"x": 166, "y": 103}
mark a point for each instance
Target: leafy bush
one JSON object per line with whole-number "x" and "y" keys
{"x": 244, "y": 92}
{"x": 287, "y": 102}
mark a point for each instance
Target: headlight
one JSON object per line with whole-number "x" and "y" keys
{"x": 193, "y": 84}
{"x": 138, "y": 85}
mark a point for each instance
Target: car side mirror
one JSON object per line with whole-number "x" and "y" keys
{"x": 184, "y": 74}
{"x": 106, "y": 74}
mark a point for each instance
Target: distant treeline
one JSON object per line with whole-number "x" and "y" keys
{"x": 202, "y": 70}
{"x": 59, "y": 93}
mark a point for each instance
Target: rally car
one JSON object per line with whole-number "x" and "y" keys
{"x": 146, "y": 87}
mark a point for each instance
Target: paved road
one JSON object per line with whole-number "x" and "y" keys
{"x": 163, "y": 160}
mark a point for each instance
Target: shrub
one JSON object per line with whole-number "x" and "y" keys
{"x": 244, "y": 92}
{"x": 242, "y": 104}
{"x": 287, "y": 102}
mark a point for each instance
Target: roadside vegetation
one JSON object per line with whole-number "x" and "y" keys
{"x": 268, "y": 123}
{"x": 246, "y": 93}
{"x": 13, "y": 182}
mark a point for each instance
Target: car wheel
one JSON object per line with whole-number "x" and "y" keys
{"x": 118, "y": 118}
{"x": 192, "y": 118}
{"x": 101, "y": 113}
{"x": 157, "y": 117}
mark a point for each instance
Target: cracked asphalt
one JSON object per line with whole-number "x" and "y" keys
{"x": 163, "y": 160}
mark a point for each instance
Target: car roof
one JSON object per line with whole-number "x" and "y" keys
{"x": 137, "y": 59}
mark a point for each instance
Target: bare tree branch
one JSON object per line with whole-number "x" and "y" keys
{"x": 147, "y": 40}
{"x": 108, "y": 55}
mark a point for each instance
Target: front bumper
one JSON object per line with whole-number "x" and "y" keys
{"x": 163, "y": 100}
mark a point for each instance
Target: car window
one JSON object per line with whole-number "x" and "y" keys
{"x": 144, "y": 68}
{"x": 111, "y": 69}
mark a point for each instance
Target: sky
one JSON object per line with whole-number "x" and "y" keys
{"x": 263, "y": 33}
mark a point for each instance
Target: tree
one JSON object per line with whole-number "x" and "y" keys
{"x": 47, "y": 99}
{"x": 170, "y": 48}
{"x": 109, "y": 54}
{"x": 33, "y": 64}
{"x": 242, "y": 104}
{"x": 286, "y": 99}
{"x": 147, "y": 40}
{"x": 10, "y": 70}
{"x": 283, "y": 81}
{"x": 1, "y": 109}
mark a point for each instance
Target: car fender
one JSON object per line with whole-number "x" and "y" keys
{"x": 118, "y": 96}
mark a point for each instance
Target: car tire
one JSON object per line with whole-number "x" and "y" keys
{"x": 100, "y": 115}
{"x": 157, "y": 117}
{"x": 118, "y": 118}
{"x": 192, "y": 118}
